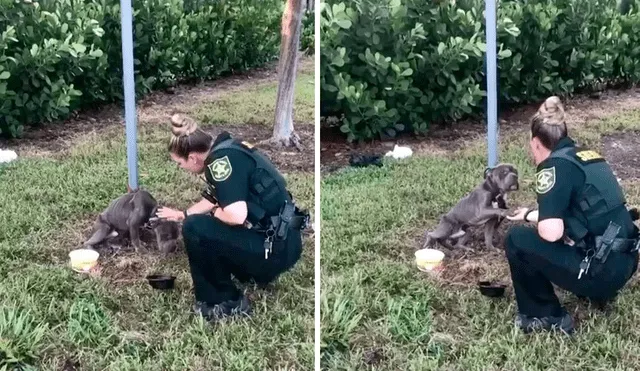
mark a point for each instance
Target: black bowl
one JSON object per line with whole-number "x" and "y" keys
{"x": 491, "y": 289}
{"x": 161, "y": 281}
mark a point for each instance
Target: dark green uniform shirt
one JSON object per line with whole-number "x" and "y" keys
{"x": 228, "y": 172}
{"x": 558, "y": 182}
{"x": 558, "y": 186}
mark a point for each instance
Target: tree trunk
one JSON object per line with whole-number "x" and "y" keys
{"x": 283, "y": 132}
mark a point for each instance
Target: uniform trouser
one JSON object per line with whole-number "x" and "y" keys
{"x": 217, "y": 250}
{"x": 535, "y": 264}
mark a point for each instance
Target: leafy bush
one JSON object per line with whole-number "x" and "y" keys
{"x": 307, "y": 34}
{"x": 59, "y": 56}
{"x": 392, "y": 65}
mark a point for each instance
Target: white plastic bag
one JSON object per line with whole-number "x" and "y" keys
{"x": 400, "y": 152}
{"x": 7, "y": 156}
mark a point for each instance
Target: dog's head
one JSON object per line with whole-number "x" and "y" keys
{"x": 504, "y": 177}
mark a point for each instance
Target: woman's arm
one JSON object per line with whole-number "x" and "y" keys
{"x": 233, "y": 214}
{"x": 201, "y": 207}
{"x": 551, "y": 230}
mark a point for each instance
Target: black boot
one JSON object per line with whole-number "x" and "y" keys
{"x": 530, "y": 324}
{"x": 225, "y": 309}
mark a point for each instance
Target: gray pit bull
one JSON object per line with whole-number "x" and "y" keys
{"x": 127, "y": 214}
{"x": 477, "y": 209}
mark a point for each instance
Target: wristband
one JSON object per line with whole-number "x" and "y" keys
{"x": 527, "y": 214}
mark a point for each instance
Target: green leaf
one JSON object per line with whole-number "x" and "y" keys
{"x": 344, "y": 23}
{"x": 505, "y": 53}
{"x": 5, "y": 75}
{"x": 441, "y": 47}
{"x": 98, "y": 31}
{"x": 330, "y": 88}
{"x": 376, "y": 39}
{"x": 80, "y": 48}
{"x": 96, "y": 53}
{"x": 345, "y": 128}
{"x": 407, "y": 72}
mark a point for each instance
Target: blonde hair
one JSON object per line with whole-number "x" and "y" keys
{"x": 187, "y": 137}
{"x": 548, "y": 124}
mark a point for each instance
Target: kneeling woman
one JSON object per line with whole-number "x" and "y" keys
{"x": 584, "y": 241}
{"x": 246, "y": 225}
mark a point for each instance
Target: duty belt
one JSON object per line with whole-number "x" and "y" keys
{"x": 605, "y": 244}
{"x": 297, "y": 222}
{"x": 624, "y": 245}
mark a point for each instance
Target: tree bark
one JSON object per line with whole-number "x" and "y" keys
{"x": 283, "y": 132}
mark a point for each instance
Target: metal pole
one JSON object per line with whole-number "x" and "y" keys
{"x": 126, "y": 14}
{"x": 492, "y": 95}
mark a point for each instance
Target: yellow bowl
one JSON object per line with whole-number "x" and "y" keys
{"x": 83, "y": 260}
{"x": 428, "y": 259}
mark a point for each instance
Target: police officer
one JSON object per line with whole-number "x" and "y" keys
{"x": 584, "y": 241}
{"x": 246, "y": 224}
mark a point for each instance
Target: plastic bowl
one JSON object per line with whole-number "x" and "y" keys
{"x": 83, "y": 260}
{"x": 490, "y": 289}
{"x": 428, "y": 259}
{"x": 161, "y": 281}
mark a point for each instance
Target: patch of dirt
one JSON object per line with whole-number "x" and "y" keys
{"x": 285, "y": 159}
{"x": 373, "y": 356}
{"x": 466, "y": 268}
{"x": 623, "y": 153}
{"x": 155, "y": 108}
{"x": 120, "y": 264}
{"x": 442, "y": 140}
{"x": 70, "y": 365}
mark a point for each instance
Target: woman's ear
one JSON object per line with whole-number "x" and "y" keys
{"x": 535, "y": 143}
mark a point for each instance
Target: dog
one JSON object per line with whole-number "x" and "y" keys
{"x": 126, "y": 215}
{"x": 484, "y": 206}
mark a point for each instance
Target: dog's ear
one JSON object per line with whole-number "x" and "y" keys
{"x": 487, "y": 171}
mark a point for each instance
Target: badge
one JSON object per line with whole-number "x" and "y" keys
{"x": 220, "y": 169}
{"x": 545, "y": 180}
{"x": 588, "y": 155}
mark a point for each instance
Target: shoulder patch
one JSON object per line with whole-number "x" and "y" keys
{"x": 545, "y": 180}
{"x": 588, "y": 155}
{"x": 220, "y": 169}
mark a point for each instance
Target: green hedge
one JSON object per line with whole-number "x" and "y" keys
{"x": 307, "y": 33}
{"x": 400, "y": 65}
{"x": 59, "y": 56}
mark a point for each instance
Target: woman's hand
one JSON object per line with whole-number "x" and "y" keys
{"x": 170, "y": 214}
{"x": 519, "y": 215}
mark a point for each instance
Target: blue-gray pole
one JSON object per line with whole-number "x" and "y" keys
{"x": 492, "y": 95}
{"x": 126, "y": 14}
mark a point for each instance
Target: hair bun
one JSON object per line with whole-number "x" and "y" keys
{"x": 182, "y": 125}
{"x": 551, "y": 112}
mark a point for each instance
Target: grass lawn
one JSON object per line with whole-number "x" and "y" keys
{"x": 49, "y": 315}
{"x": 378, "y": 311}
{"x": 256, "y": 107}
